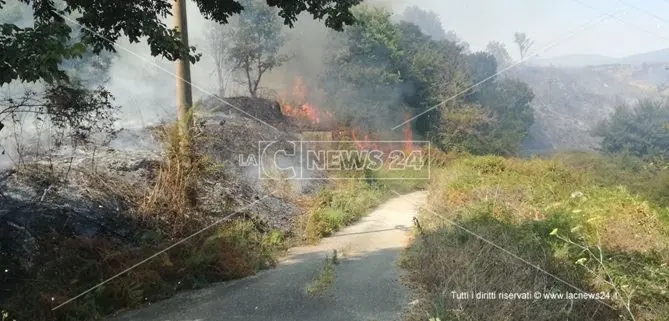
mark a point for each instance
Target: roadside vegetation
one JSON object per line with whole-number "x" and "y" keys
{"x": 595, "y": 229}
{"x": 596, "y": 222}
{"x": 166, "y": 212}
{"x": 162, "y": 214}
{"x": 345, "y": 202}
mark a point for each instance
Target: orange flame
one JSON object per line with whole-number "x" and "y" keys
{"x": 408, "y": 134}
{"x": 296, "y": 105}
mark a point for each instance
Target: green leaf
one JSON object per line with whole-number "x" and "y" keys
{"x": 78, "y": 49}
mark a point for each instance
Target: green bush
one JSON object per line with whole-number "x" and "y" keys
{"x": 337, "y": 207}
{"x": 641, "y": 130}
{"x": 345, "y": 202}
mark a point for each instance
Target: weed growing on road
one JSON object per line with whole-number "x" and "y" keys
{"x": 323, "y": 281}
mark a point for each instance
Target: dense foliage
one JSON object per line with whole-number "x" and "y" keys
{"x": 641, "y": 131}
{"x": 430, "y": 24}
{"x": 34, "y": 52}
{"x": 382, "y": 72}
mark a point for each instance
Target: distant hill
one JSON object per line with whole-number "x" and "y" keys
{"x": 584, "y": 60}
{"x": 658, "y": 56}
{"x": 569, "y": 102}
{"x": 573, "y": 61}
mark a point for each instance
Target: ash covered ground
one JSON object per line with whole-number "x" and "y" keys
{"x": 93, "y": 191}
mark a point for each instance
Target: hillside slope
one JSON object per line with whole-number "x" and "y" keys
{"x": 569, "y": 102}
{"x": 583, "y": 60}
{"x": 77, "y": 216}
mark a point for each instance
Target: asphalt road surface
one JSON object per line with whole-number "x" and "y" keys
{"x": 366, "y": 285}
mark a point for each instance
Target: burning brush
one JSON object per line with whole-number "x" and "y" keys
{"x": 296, "y": 105}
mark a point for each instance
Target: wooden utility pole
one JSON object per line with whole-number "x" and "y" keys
{"x": 183, "y": 88}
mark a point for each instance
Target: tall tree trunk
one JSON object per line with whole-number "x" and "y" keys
{"x": 183, "y": 85}
{"x": 249, "y": 81}
{"x": 219, "y": 75}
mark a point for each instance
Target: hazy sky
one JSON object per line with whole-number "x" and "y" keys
{"x": 644, "y": 26}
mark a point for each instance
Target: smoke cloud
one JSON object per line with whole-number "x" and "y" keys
{"x": 144, "y": 86}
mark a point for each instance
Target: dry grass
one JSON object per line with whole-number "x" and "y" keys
{"x": 173, "y": 197}
{"x": 648, "y": 179}
{"x": 516, "y": 204}
{"x": 450, "y": 261}
{"x": 162, "y": 212}
{"x": 283, "y": 187}
{"x": 233, "y": 250}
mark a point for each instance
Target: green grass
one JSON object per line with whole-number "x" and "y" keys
{"x": 649, "y": 179}
{"x": 597, "y": 236}
{"x": 325, "y": 278}
{"x": 336, "y": 207}
{"x": 345, "y": 202}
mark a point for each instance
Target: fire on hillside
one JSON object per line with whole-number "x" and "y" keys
{"x": 297, "y": 105}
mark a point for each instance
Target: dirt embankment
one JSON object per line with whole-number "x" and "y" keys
{"x": 96, "y": 193}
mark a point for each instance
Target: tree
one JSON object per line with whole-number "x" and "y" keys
{"x": 380, "y": 70}
{"x": 35, "y": 53}
{"x": 90, "y": 70}
{"x": 430, "y": 24}
{"x": 362, "y": 79}
{"x": 77, "y": 111}
{"x": 78, "y": 107}
{"x": 482, "y": 66}
{"x": 524, "y": 44}
{"x": 495, "y": 124}
{"x": 498, "y": 50}
{"x": 641, "y": 130}
{"x": 255, "y": 41}
{"x": 219, "y": 49}
{"x": 495, "y": 116}
{"x": 434, "y": 72}
{"x": 508, "y": 104}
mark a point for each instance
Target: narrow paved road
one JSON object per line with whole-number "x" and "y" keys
{"x": 366, "y": 285}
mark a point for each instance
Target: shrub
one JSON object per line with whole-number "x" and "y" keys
{"x": 642, "y": 131}
{"x": 338, "y": 206}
